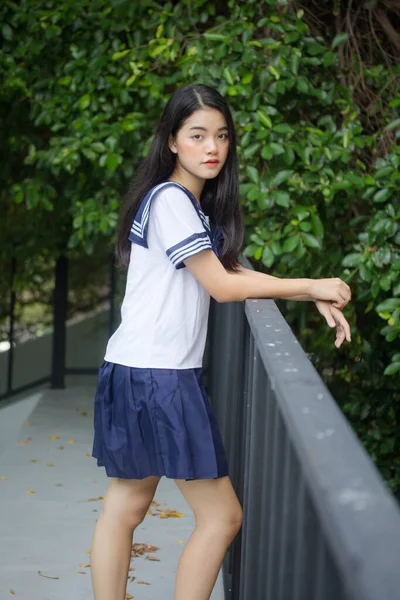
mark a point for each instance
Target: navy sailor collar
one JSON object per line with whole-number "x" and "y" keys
{"x": 138, "y": 232}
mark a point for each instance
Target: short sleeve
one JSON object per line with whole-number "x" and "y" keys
{"x": 178, "y": 226}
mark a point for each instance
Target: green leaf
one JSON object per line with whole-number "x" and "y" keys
{"x": 247, "y": 78}
{"x": 289, "y": 156}
{"x": 317, "y": 224}
{"x": 280, "y": 177}
{"x": 282, "y": 198}
{"x": 267, "y": 257}
{"x": 282, "y": 128}
{"x": 118, "y": 55}
{"x": 252, "y": 174}
{"x": 339, "y": 39}
{"x": 295, "y": 62}
{"x": 216, "y": 37}
{"x": 277, "y": 148}
{"x": 302, "y": 85}
{"x": 382, "y": 195}
{"x": 364, "y": 273}
{"x": 264, "y": 118}
{"x": 257, "y": 253}
{"x": 352, "y": 260}
{"x": 389, "y": 304}
{"x": 84, "y": 102}
{"x": 310, "y": 240}
{"x": 315, "y": 49}
{"x": 112, "y": 161}
{"x": 274, "y": 71}
{"x": 7, "y": 32}
{"x": 393, "y": 125}
{"x": 291, "y": 243}
{"x": 251, "y": 150}
{"x": 392, "y": 368}
{"x": 229, "y": 75}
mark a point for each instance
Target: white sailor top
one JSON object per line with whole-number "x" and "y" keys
{"x": 165, "y": 309}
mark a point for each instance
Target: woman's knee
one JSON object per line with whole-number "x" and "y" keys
{"x": 214, "y": 503}
{"x": 128, "y": 501}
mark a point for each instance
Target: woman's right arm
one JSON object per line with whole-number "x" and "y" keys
{"x": 224, "y": 286}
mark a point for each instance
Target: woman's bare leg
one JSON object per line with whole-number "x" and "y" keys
{"x": 124, "y": 508}
{"x": 218, "y": 517}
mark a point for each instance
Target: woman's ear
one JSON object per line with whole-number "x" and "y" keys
{"x": 171, "y": 144}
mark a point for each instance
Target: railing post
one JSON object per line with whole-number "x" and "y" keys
{"x": 11, "y": 329}
{"x": 60, "y": 303}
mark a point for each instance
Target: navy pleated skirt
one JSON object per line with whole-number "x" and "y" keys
{"x": 155, "y": 422}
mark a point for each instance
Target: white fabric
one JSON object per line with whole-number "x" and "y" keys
{"x": 165, "y": 310}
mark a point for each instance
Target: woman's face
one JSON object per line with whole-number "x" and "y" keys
{"x": 202, "y": 138}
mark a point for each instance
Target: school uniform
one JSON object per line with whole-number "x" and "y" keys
{"x": 152, "y": 415}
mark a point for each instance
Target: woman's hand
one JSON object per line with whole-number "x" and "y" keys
{"x": 334, "y": 317}
{"x": 333, "y": 289}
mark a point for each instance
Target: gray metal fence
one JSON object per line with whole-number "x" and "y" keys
{"x": 319, "y": 521}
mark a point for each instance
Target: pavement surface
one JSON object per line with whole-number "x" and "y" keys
{"x": 50, "y": 497}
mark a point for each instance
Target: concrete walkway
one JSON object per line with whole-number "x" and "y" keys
{"x": 50, "y": 489}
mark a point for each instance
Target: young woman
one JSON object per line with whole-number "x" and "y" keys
{"x": 180, "y": 236}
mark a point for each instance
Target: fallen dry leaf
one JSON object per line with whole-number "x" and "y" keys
{"x": 131, "y": 569}
{"x": 12, "y": 592}
{"x": 50, "y": 464}
{"x": 28, "y": 422}
{"x": 166, "y": 514}
{"x": 87, "y": 551}
{"x": 179, "y": 541}
{"x": 94, "y": 481}
{"x": 3, "y": 478}
{"x": 47, "y": 576}
{"x": 84, "y": 566}
{"x": 53, "y": 437}
{"x": 81, "y": 572}
{"x": 60, "y": 447}
{"x": 94, "y": 499}
{"x": 35, "y": 460}
{"x": 59, "y": 484}
{"x": 72, "y": 441}
{"x": 24, "y": 442}
{"x": 86, "y": 455}
{"x": 149, "y": 512}
{"x": 30, "y": 492}
{"x": 154, "y": 503}
{"x": 128, "y": 596}
{"x": 143, "y": 582}
{"x": 139, "y": 549}
{"x": 152, "y": 558}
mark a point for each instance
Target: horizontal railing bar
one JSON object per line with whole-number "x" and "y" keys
{"x": 359, "y": 515}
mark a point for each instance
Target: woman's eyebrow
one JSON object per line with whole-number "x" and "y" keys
{"x": 204, "y": 128}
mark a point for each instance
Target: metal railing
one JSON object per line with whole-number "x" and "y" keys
{"x": 56, "y": 368}
{"x": 319, "y": 521}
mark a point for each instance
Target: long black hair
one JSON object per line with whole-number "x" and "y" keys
{"x": 220, "y": 196}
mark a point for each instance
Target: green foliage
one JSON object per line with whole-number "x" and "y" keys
{"x": 84, "y": 84}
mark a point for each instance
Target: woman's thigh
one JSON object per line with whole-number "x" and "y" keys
{"x": 213, "y": 501}
{"x": 130, "y": 499}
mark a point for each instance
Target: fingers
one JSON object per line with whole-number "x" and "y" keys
{"x": 343, "y": 330}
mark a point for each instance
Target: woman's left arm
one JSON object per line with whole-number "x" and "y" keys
{"x": 253, "y": 273}
{"x": 334, "y": 317}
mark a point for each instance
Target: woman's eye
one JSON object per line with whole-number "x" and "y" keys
{"x": 197, "y": 135}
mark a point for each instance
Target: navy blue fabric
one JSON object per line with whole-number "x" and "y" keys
{"x": 140, "y": 225}
{"x": 155, "y": 422}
